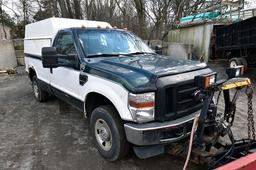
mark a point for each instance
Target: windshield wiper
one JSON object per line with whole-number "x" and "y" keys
{"x": 117, "y": 54}
{"x": 137, "y": 53}
{"x": 102, "y": 55}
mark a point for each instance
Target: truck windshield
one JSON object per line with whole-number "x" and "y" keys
{"x": 111, "y": 42}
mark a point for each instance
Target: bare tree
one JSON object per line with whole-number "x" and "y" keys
{"x": 70, "y": 12}
{"x": 64, "y": 11}
{"x": 25, "y": 6}
{"x": 100, "y": 10}
{"x": 159, "y": 14}
{"x": 77, "y": 9}
{"x": 2, "y": 19}
{"x": 148, "y": 18}
{"x": 186, "y": 7}
{"x": 55, "y": 8}
{"x": 27, "y": 10}
{"x": 140, "y": 6}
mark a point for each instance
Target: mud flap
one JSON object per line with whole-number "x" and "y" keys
{"x": 144, "y": 152}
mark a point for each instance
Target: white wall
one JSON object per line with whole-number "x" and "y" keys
{"x": 199, "y": 36}
{"x": 7, "y": 55}
{"x": 179, "y": 50}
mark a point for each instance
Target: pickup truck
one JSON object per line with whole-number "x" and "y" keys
{"x": 132, "y": 96}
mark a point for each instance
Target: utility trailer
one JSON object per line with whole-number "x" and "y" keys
{"x": 237, "y": 42}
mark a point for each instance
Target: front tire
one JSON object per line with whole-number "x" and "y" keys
{"x": 39, "y": 94}
{"x": 108, "y": 133}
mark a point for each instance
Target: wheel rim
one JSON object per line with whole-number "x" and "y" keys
{"x": 36, "y": 90}
{"x": 233, "y": 64}
{"x": 103, "y": 134}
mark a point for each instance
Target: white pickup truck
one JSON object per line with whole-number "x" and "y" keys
{"x": 132, "y": 96}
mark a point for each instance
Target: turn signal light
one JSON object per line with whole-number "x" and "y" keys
{"x": 235, "y": 71}
{"x": 206, "y": 80}
{"x": 141, "y": 105}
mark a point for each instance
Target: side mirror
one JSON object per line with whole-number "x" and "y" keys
{"x": 49, "y": 57}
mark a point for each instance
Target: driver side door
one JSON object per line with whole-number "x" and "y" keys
{"x": 65, "y": 79}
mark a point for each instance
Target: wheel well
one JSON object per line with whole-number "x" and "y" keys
{"x": 31, "y": 73}
{"x": 94, "y": 100}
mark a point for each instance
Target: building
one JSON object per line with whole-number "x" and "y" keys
{"x": 197, "y": 36}
{"x": 7, "y": 53}
{"x": 5, "y": 32}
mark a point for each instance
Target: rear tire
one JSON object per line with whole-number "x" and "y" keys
{"x": 243, "y": 62}
{"x": 39, "y": 94}
{"x": 108, "y": 133}
{"x": 233, "y": 62}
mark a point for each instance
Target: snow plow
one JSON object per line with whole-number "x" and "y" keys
{"x": 212, "y": 143}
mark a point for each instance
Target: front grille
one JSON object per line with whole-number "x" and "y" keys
{"x": 174, "y": 95}
{"x": 180, "y": 100}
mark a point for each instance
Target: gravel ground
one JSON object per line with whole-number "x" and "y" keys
{"x": 53, "y": 135}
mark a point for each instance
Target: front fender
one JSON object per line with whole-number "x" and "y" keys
{"x": 113, "y": 91}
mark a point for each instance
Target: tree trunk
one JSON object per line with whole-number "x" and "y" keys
{"x": 77, "y": 7}
{"x": 64, "y": 12}
{"x": 69, "y": 9}
{"x": 55, "y": 8}
{"x": 177, "y": 5}
{"x": 24, "y": 13}
{"x": 140, "y": 8}
{"x": 2, "y": 19}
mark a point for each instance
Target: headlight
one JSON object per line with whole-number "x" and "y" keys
{"x": 142, "y": 106}
{"x": 235, "y": 71}
{"x": 206, "y": 80}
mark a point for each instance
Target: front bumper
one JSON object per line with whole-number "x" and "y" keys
{"x": 159, "y": 132}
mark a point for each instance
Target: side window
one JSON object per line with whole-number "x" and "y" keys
{"x": 65, "y": 44}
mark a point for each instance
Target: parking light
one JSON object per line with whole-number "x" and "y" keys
{"x": 235, "y": 71}
{"x": 206, "y": 80}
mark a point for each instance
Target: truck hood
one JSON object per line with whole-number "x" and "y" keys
{"x": 139, "y": 72}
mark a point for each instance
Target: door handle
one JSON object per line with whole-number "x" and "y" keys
{"x": 83, "y": 78}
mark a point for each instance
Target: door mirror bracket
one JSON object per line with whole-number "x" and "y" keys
{"x": 82, "y": 66}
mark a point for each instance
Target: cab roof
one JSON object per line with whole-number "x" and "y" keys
{"x": 48, "y": 28}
